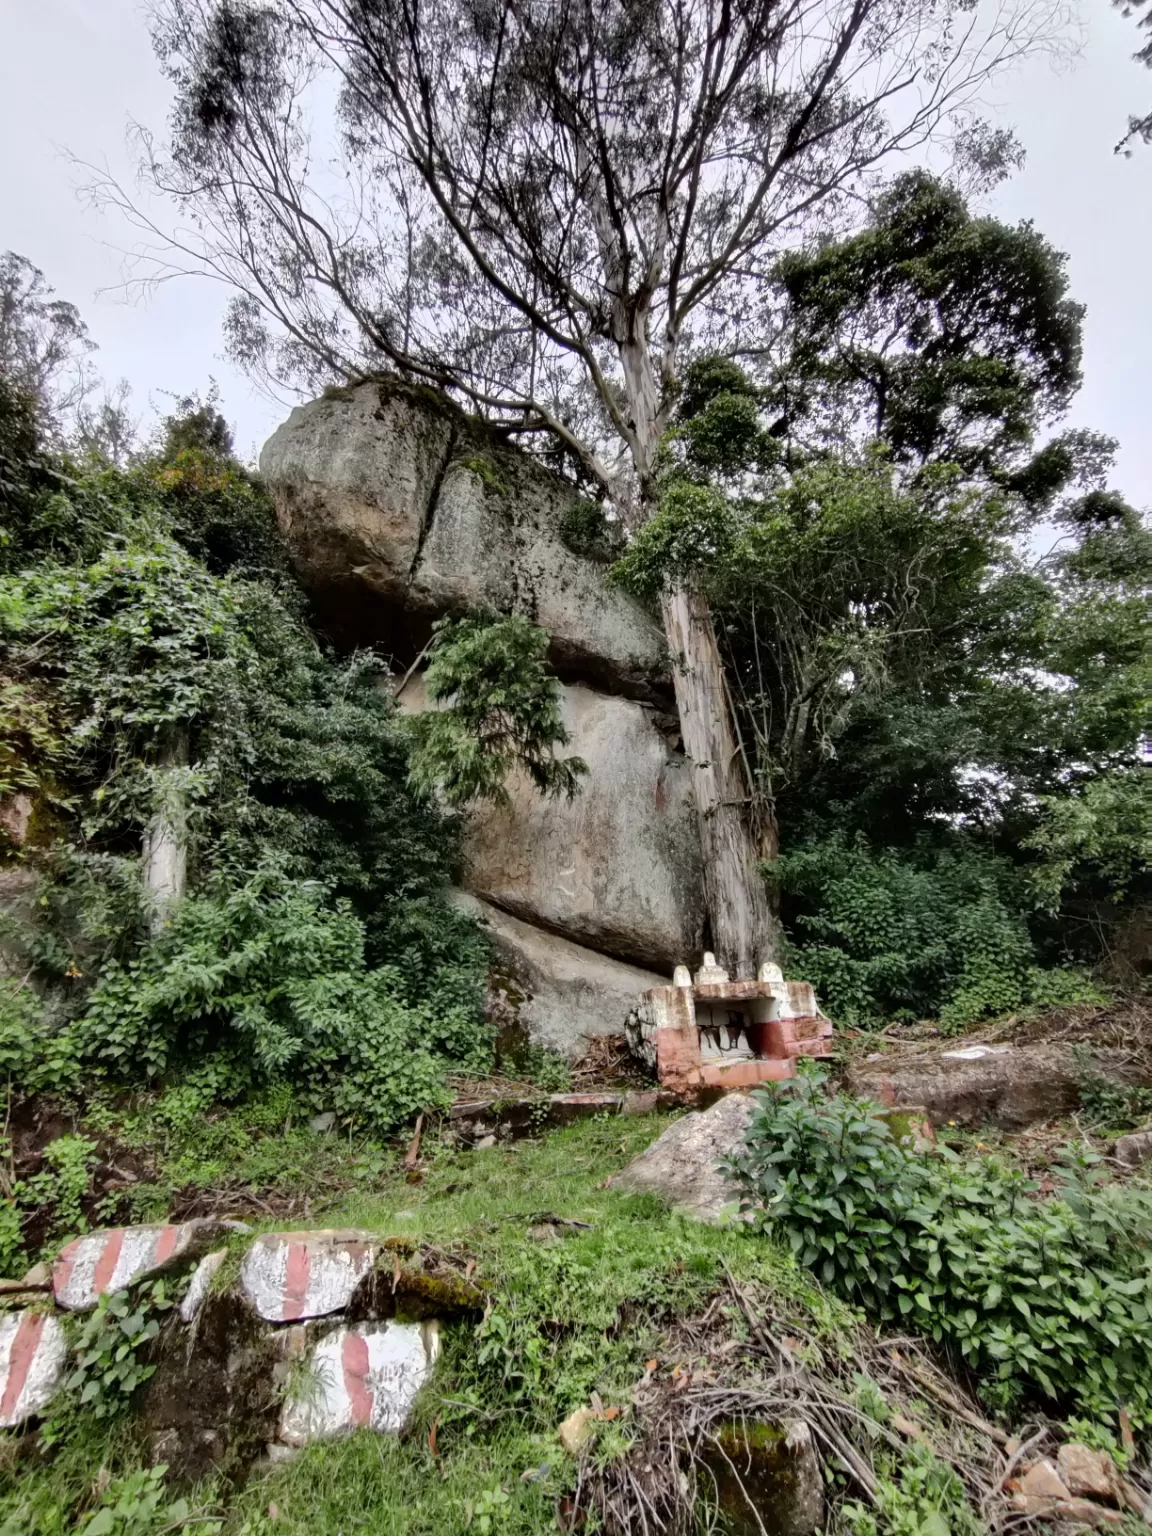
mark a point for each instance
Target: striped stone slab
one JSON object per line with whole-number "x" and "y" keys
{"x": 32, "y": 1356}
{"x": 288, "y": 1276}
{"x": 363, "y": 1377}
{"x": 108, "y": 1261}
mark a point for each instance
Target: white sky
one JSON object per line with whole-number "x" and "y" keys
{"x": 73, "y": 71}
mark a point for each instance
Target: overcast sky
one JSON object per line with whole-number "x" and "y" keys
{"x": 72, "y": 72}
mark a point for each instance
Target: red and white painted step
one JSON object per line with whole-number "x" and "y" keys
{"x": 363, "y": 1377}
{"x": 33, "y": 1352}
{"x": 289, "y": 1276}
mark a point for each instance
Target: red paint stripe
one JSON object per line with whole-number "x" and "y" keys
{"x": 62, "y": 1269}
{"x": 299, "y": 1271}
{"x": 24, "y": 1347}
{"x": 166, "y": 1244}
{"x": 108, "y": 1260}
{"x": 354, "y": 1359}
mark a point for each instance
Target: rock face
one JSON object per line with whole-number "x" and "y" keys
{"x": 397, "y": 507}
{"x": 558, "y": 993}
{"x": 1009, "y": 1086}
{"x": 682, "y": 1166}
{"x": 617, "y": 868}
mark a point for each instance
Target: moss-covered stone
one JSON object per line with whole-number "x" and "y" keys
{"x": 764, "y": 1478}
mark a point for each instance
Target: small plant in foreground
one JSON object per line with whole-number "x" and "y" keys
{"x": 138, "y": 1505}
{"x": 923, "y": 1497}
{"x": 1049, "y": 1296}
{"x": 112, "y": 1346}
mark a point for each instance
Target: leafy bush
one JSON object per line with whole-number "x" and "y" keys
{"x": 1049, "y": 1296}
{"x": 919, "y": 1496}
{"x": 925, "y": 932}
{"x": 112, "y": 1347}
{"x": 496, "y": 707}
{"x": 269, "y": 978}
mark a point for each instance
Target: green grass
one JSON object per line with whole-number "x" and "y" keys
{"x": 568, "y": 1318}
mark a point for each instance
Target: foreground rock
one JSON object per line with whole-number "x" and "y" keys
{"x": 551, "y": 991}
{"x": 33, "y": 1353}
{"x": 1007, "y": 1086}
{"x": 682, "y": 1166}
{"x": 766, "y": 1478}
{"x": 397, "y": 508}
{"x": 315, "y": 1334}
{"x": 1134, "y": 1149}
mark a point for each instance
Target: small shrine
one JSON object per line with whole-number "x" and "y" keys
{"x": 711, "y": 1033}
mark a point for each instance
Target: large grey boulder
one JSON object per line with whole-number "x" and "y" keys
{"x": 618, "y": 866}
{"x": 397, "y": 508}
{"x": 555, "y": 993}
{"x": 683, "y": 1165}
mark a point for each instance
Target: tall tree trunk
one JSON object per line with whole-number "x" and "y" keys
{"x": 744, "y": 930}
{"x": 165, "y": 850}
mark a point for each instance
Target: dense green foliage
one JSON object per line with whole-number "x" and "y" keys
{"x": 910, "y": 683}
{"x": 156, "y": 662}
{"x": 936, "y": 929}
{"x": 1051, "y": 1295}
{"x": 494, "y": 705}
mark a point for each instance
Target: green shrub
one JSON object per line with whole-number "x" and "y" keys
{"x": 495, "y": 707}
{"x": 1051, "y": 1297}
{"x": 270, "y": 979}
{"x": 924, "y": 932}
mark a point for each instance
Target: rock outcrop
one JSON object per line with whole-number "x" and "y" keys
{"x": 558, "y": 994}
{"x": 617, "y": 868}
{"x": 1010, "y": 1086}
{"x": 397, "y": 508}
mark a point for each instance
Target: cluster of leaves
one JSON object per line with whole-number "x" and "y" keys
{"x": 57, "y": 1190}
{"x": 856, "y": 516}
{"x": 1048, "y": 1297}
{"x": 495, "y": 705}
{"x": 156, "y": 654}
{"x": 935, "y": 930}
{"x": 112, "y": 1348}
{"x": 269, "y": 979}
{"x": 917, "y": 1496}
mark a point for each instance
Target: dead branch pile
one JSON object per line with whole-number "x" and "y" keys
{"x": 751, "y": 1363}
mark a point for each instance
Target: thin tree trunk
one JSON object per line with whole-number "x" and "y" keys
{"x": 165, "y": 847}
{"x": 744, "y": 929}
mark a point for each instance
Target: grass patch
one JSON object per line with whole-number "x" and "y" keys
{"x": 582, "y": 1312}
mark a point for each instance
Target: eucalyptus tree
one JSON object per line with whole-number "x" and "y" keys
{"x": 546, "y": 206}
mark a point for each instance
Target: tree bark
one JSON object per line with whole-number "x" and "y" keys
{"x": 744, "y": 930}
{"x": 165, "y": 850}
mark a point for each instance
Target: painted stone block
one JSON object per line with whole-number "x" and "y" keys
{"x": 33, "y": 1352}
{"x": 288, "y": 1276}
{"x": 108, "y": 1261}
{"x": 363, "y": 1377}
